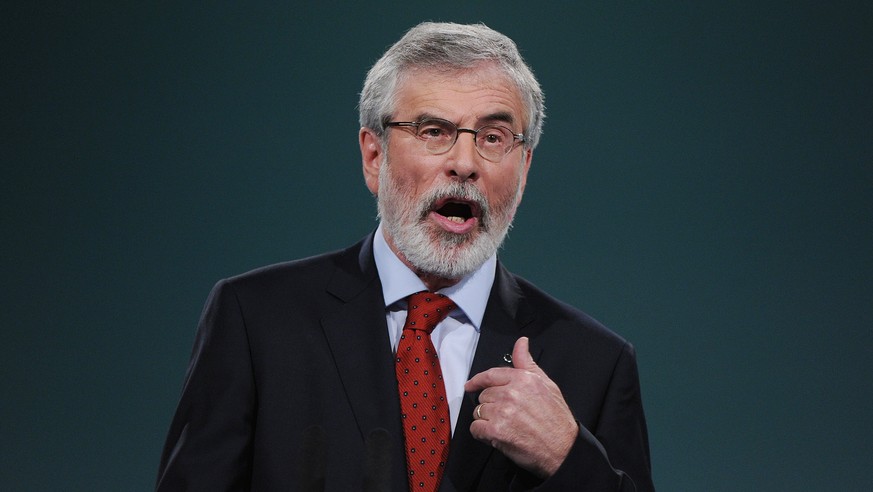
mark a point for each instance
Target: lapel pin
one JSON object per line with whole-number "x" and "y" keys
{"x": 507, "y": 358}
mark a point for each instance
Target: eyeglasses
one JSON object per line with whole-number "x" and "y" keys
{"x": 492, "y": 142}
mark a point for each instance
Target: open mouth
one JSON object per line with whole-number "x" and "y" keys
{"x": 457, "y": 215}
{"x": 456, "y": 212}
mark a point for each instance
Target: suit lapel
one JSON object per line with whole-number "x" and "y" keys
{"x": 358, "y": 337}
{"x": 505, "y": 317}
{"x": 357, "y": 334}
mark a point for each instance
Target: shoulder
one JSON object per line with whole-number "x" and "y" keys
{"x": 562, "y": 328}
{"x": 293, "y": 270}
{"x": 552, "y": 311}
{"x": 303, "y": 277}
{"x": 580, "y": 354}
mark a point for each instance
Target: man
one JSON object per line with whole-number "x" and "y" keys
{"x": 300, "y": 376}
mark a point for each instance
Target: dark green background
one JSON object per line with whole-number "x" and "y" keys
{"x": 704, "y": 186}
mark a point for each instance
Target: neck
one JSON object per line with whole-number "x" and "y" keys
{"x": 433, "y": 282}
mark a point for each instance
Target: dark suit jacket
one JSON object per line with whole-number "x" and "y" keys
{"x": 304, "y": 345}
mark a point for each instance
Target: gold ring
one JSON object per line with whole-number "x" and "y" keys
{"x": 479, "y": 411}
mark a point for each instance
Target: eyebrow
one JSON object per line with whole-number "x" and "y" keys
{"x": 499, "y": 117}
{"x": 502, "y": 117}
{"x": 427, "y": 116}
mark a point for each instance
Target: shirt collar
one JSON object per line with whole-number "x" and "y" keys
{"x": 470, "y": 294}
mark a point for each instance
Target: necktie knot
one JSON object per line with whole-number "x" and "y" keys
{"x": 426, "y": 310}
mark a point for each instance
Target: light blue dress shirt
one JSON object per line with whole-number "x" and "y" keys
{"x": 455, "y": 338}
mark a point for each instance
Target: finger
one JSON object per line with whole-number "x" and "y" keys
{"x": 479, "y": 430}
{"x": 521, "y": 358}
{"x": 491, "y": 394}
{"x": 477, "y": 412}
{"x": 496, "y": 376}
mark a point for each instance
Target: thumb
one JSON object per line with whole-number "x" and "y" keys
{"x": 521, "y": 358}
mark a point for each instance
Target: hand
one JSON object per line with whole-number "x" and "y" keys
{"x": 522, "y": 414}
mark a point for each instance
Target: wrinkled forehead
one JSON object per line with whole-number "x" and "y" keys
{"x": 484, "y": 73}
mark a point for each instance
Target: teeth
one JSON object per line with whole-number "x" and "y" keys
{"x": 459, "y": 220}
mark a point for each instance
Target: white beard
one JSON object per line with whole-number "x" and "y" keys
{"x": 427, "y": 247}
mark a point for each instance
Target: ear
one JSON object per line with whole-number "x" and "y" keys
{"x": 371, "y": 157}
{"x": 528, "y": 157}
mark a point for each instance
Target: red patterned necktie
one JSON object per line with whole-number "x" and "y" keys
{"x": 423, "y": 404}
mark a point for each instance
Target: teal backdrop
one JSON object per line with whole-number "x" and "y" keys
{"x": 704, "y": 187}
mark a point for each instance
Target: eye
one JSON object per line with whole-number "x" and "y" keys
{"x": 435, "y": 130}
{"x": 493, "y": 136}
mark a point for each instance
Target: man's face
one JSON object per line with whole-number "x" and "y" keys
{"x": 445, "y": 214}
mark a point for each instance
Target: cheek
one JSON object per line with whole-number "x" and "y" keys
{"x": 403, "y": 183}
{"x": 506, "y": 189}
{"x": 403, "y": 186}
{"x": 412, "y": 180}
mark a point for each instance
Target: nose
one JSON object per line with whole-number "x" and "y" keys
{"x": 464, "y": 159}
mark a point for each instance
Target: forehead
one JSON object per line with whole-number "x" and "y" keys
{"x": 461, "y": 96}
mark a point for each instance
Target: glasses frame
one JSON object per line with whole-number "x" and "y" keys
{"x": 517, "y": 138}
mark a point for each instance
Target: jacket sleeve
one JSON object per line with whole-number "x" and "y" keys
{"x": 208, "y": 446}
{"x": 614, "y": 454}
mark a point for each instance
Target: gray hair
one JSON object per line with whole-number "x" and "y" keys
{"x": 443, "y": 46}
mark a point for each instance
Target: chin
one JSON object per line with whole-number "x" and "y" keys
{"x": 447, "y": 255}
